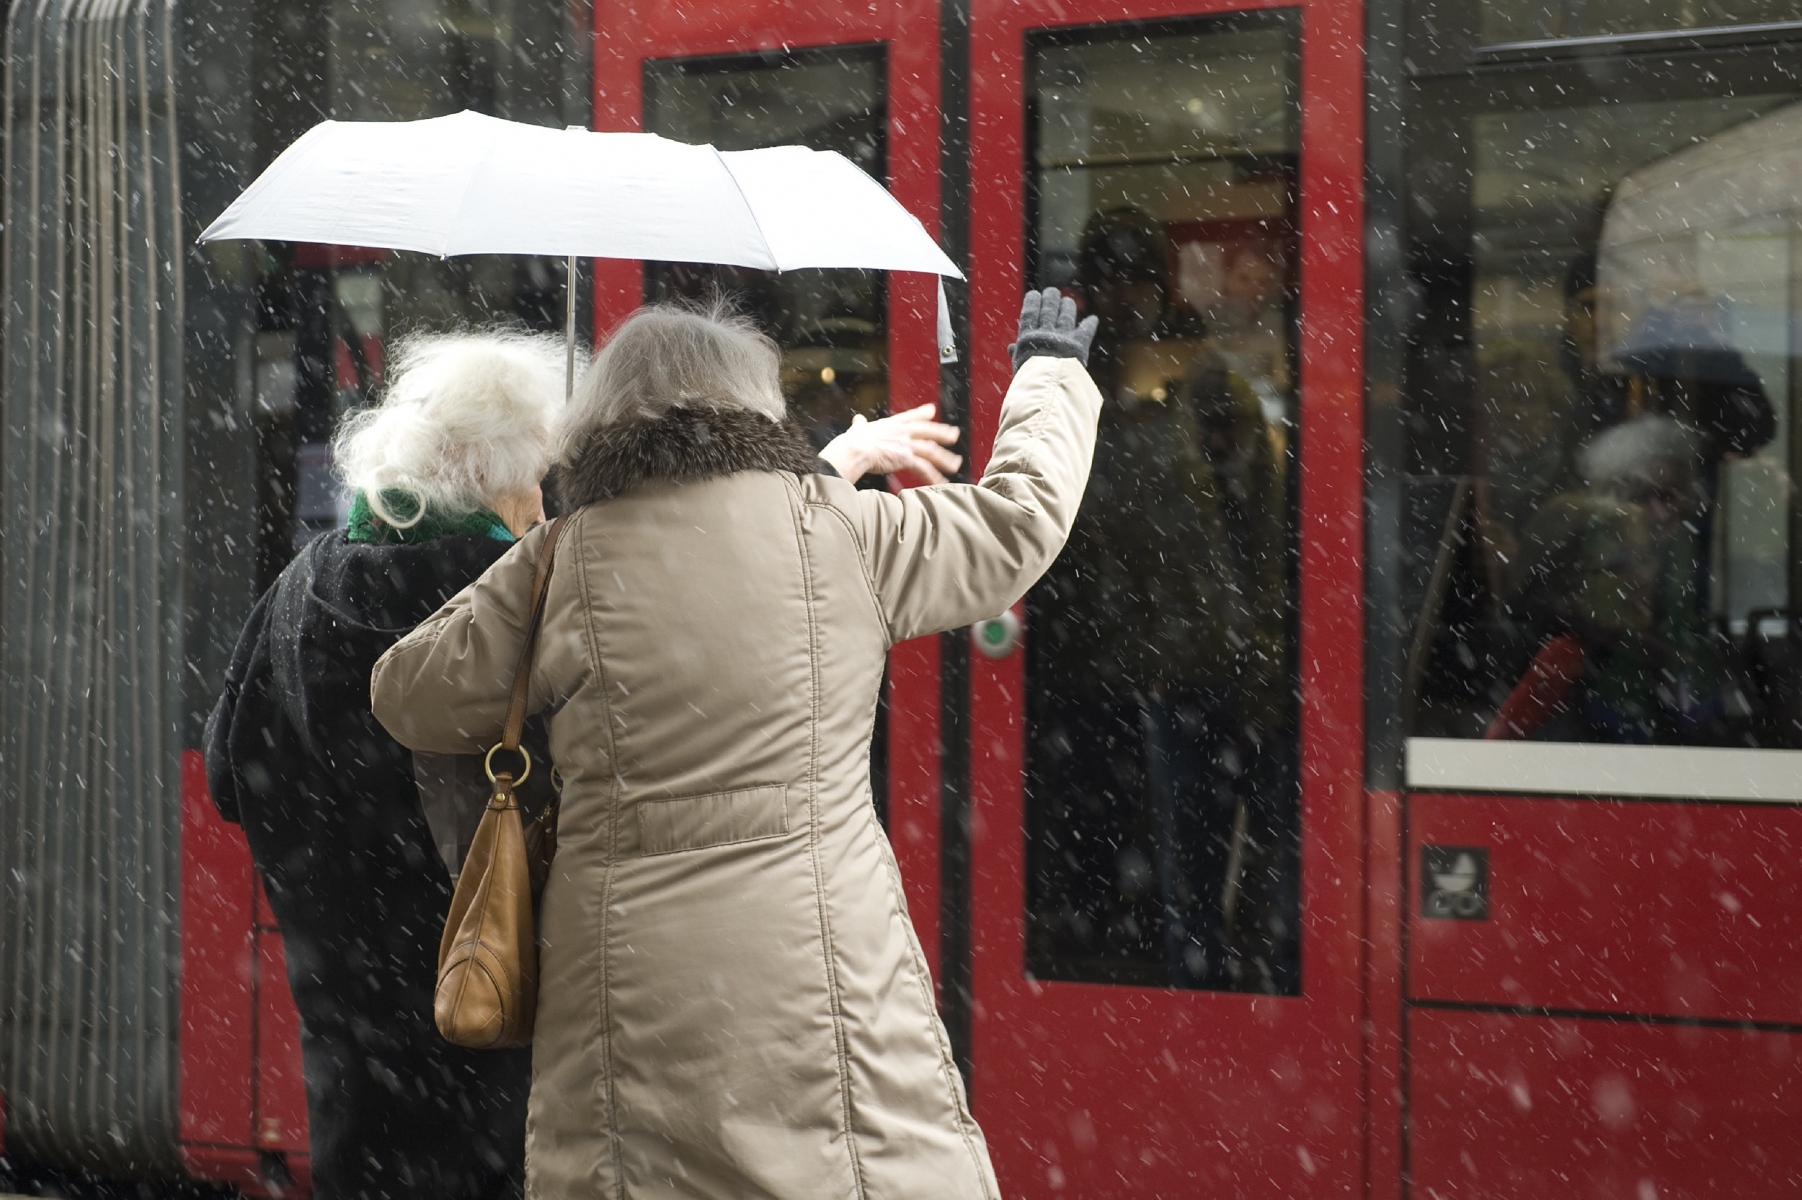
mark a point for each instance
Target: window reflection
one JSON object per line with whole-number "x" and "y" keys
{"x": 1161, "y": 755}
{"x": 1602, "y": 507}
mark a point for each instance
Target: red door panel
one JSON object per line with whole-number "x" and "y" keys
{"x": 1103, "y": 1090}
{"x": 218, "y": 1026}
{"x": 242, "y": 1094}
{"x": 1684, "y": 910}
{"x": 281, "y": 1087}
{"x": 1507, "y": 1107}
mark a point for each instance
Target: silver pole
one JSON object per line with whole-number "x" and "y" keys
{"x": 569, "y": 329}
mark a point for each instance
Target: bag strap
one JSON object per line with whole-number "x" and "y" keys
{"x": 522, "y": 678}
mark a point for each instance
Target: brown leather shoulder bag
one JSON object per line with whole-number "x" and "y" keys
{"x": 487, "y": 992}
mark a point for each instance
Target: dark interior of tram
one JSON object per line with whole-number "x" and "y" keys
{"x": 1162, "y": 787}
{"x": 1598, "y": 432}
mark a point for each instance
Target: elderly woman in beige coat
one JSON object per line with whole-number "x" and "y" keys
{"x": 732, "y": 1001}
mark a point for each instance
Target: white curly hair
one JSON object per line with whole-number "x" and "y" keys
{"x": 467, "y": 418}
{"x": 668, "y": 356}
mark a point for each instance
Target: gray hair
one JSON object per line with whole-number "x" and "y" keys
{"x": 667, "y": 356}
{"x": 1647, "y": 448}
{"x": 466, "y": 419}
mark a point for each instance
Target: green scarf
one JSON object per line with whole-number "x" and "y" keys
{"x": 365, "y": 526}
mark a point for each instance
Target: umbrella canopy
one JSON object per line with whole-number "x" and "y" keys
{"x": 473, "y": 184}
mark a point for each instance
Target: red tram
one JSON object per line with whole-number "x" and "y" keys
{"x": 1396, "y": 790}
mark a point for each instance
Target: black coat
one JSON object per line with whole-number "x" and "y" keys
{"x": 328, "y": 803}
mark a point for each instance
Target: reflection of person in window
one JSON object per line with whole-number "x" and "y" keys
{"x": 1640, "y": 663}
{"x": 1524, "y": 444}
{"x": 1123, "y": 265}
{"x": 1608, "y": 582}
{"x": 1236, "y": 883}
{"x": 1237, "y": 290}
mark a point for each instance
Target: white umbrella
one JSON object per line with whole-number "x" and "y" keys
{"x": 473, "y": 184}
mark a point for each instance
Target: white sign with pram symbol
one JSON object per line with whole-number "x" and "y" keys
{"x": 1454, "y": 882}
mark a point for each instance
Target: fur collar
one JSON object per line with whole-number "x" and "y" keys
{"x": 685, "y": 445}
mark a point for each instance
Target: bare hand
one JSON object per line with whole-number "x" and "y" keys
{"x": 908, "y": 441}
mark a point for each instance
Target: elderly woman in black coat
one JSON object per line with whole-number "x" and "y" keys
{"x": 445, "y": 476}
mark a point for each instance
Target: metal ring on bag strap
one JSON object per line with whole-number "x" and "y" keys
{"x": 524, "y": 756}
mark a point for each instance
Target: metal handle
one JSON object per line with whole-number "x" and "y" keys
{"x": 524, "y": 756}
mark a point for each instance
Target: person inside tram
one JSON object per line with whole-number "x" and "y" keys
{"x": 1158, "y": 661}
{"x": 1242, "y": 888}
{"x": 723, "y": 938}
{"x": 446, "y": 475}
{"x": 1615, "y": 587}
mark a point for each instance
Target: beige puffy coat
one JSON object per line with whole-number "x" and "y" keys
{"x": 733, "y": 1003}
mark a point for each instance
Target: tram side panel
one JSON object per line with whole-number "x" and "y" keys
{"x": 1604, "y": 998}
{"x": 242, "y": 1094}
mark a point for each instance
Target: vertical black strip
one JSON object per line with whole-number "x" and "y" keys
{"x": 1390, "y": 304}
{"x": 954, "y": 647}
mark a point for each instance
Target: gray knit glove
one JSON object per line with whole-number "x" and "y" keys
{"x": 1048, "y": 326}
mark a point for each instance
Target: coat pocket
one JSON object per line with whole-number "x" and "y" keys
{"x": 720, "y": 819}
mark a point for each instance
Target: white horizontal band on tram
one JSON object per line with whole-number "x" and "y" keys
{"x": 1586, "y": 769}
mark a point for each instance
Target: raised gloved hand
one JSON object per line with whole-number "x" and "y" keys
{"x": 1048, "y": 326}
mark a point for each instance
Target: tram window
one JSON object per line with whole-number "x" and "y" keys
{"x": 1162, "y": 789}
{"x": 831, "y": 325}
{"x": 326, "y": 317}
{"x": 1504, "y": 21}
{"x": 1602, "y": 529}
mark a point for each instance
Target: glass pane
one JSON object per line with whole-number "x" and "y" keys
{"x": 1535, "y": 20}
{"x": 1161, "y": 754}
{"x": 1601, "y": 520}
{"x": 832, "y": 325}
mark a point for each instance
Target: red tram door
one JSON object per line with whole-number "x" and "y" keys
{"x": 862, "y": 80}
{"x": 1165, "y": 768}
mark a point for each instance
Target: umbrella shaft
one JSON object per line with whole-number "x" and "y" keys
{"x": 569, "y": 329}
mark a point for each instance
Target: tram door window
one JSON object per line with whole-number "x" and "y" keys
{"x": 1161, "y": 780}
{"x": 1603, "y": 526}
{"x": 831, "y": 325}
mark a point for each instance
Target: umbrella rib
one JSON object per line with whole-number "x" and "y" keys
{"x": 739, "y": 188}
